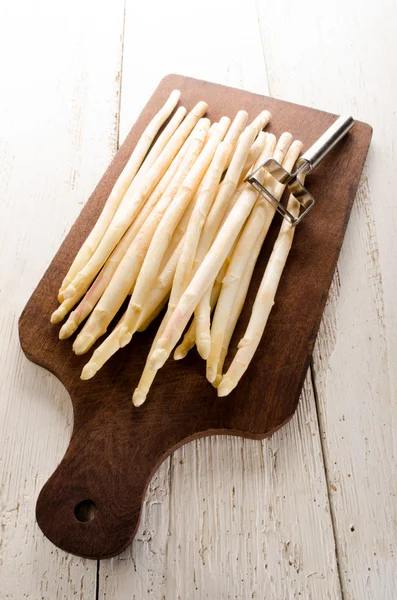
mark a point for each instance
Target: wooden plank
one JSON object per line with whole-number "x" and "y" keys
{"x": 357, "y": 343}
{"x": 262, "y": 471}
{"x": 59, "y": 90}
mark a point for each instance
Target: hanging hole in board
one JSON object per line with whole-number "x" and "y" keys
{"x": 85, "y": 511}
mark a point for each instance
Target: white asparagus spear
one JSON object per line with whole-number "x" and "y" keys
{"x": 235, "y": 130}
{"x": 206, "y": 273}
{"x": 237, "y": 307}
{"x": 119, "y": 189}
{"x": 200, "y": 212}
{"x": 133, "y": 204}
{"x": 225, "y": 192}
{"x": 188, "y": 342}
{"x": 202, "y": 280}
{"x": 103, "y": 279}
{"x": 261, "y": 120}
{"x": 130, "y": 265}
{"x": 253, "y": 155}
{"x": 230, "y": 285}
{"x": 161, "y": 142}
{"x": 257, "y": 224}
{"x": 166, "y": 229}
{"x": 189, "y": 339}
{"x": 183, "y": 223}
{"x": 148, "y": 373}
{"x": 159, "y": 293}
{"x": 263, "y": 304}
{"x": 220, "y": 211}
{"x": 202, "y": 316}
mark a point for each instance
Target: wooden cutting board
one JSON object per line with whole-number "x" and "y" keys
{"x": 115, "y": 448}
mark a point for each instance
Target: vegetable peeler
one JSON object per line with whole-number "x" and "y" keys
{"x": 305, "y": 165}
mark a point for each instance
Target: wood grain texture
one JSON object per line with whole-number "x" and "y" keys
{"x": 357, "y": 343}
{"x": 109, "y": 435}
{"x": 59, "y": 105}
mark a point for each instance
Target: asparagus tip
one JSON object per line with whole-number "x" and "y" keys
{"x": 180, "y": 353}
{"x": 69, "y": 292}
{"x": 67, "y": 330}
{"x": 204, "y": 347}
{"x": 158, "y": 358}
{"x": 57, "y": 315}
{"x": 139, "y": 397}
{"x": 89, "y": 371}
{"x": 83, "y": 343}
{"x": 124, "y": 336}
{"x": 211, "y": 374}
{"x": 225, "y": 387}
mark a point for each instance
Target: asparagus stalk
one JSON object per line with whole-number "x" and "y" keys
{"x": 255, "y": 231}
{"x": 161, "y": 143}
{"x": 215, "y": 219}
{"x": 261, "y": 120}
{"x": 119, "y": 189}
{"x": 165, "y": 230}
{"x": 253, "y": 155}
{"x": 202, "y": 315}
{"x": 263, "y": 304}
{"x": 237, "y": 308}
{"x": 189, "y": 339}
{"x": 225, "y": 192}
{"x": 234, "y": 132}
{"x": 133, "y": 203}
{"x": 199, "y": 215}
{"x": 130, "y": 265}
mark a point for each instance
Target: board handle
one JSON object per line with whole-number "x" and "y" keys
{"x": 91, "y": 504}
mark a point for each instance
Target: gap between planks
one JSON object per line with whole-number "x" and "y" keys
{"x": 120, "y": 81}
{"x": 326, "y": 471}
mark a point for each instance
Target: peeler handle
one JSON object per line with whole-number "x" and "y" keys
{"x": 315, "y": 154}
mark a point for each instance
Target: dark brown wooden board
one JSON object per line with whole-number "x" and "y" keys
{"x": 115, "y": 448}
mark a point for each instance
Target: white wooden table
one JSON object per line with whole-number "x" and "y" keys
{"x": 310, "y": 512}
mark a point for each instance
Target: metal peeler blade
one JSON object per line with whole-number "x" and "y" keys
{"x": 305, "y": 165}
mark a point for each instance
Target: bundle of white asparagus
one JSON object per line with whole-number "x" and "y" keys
{"x": 182, "y": 229}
